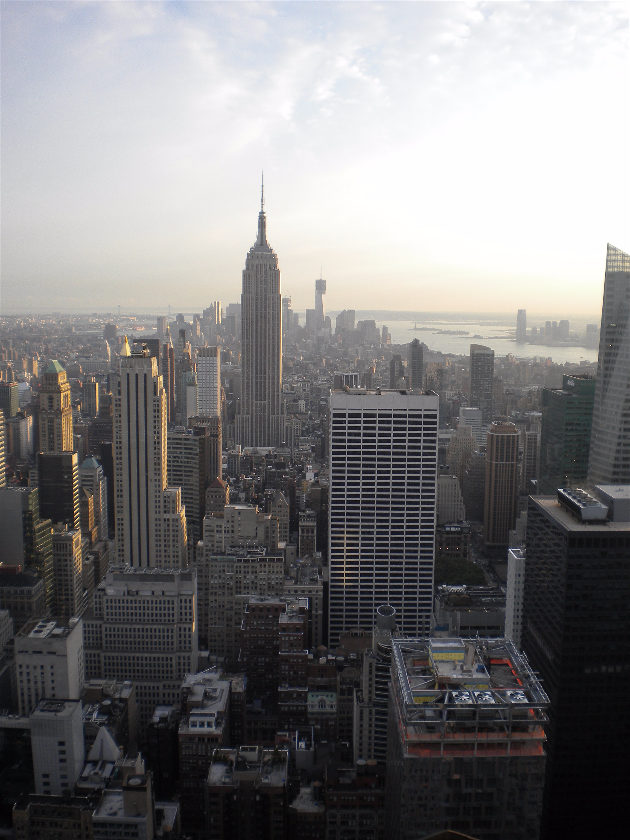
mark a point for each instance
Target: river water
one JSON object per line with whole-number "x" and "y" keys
{"x": 438, "y": 335}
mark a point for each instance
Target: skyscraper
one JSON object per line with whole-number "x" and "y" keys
{"x": 55, "y": 411}
{"x": 521, "y": 326}
{"x": 501, "y": 488}
{"x": 481, "y": 380}
{"x": 209, "y": 382}
{"x": 576, "y": 634}
{"x": 150, "y": 522}
{"x": 260, "y": 422}
{"x": 9, "y": 399}
{"x": 396, "y": 371}
{"x": 383, "y": 463}
{"x": 92, "y": 478}
{"x": 415, "y": 364}
{"x": 609, "y": 460}
{"x": 58, "y": 481}
{"x": 567, "y": 414}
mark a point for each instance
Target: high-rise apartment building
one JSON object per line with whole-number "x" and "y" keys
{"x": 70, "y": 594}
{"x": 9, "y": 399}
{"x": 142, "y": 627}
{"x": 26, "y": 538}
{"x": 515, "y": 591}
{"x": 576, "y": 633}
{"x": 55, "y": 411}
{"x": 187, "y": 467}
{"x": 48, "y": 662}
{"x": 466, "y": 741}
{"x": 260, "y": 421}
{"x": 90, "y": 397}
{"x": 57, "y": 745}
{"x": 382, "y": 509}
{"x": 481, "y": 380}
{"x": 609, "y": 460}
{"x": 92, "y": 478}
{"x": 415, "y": 364}
{"x": 521, "y": 326}
{"x": 225, "y": 581}
{"x": 567, "y": 415}
{"x": 213, "y": 432}
{"x": 150, "y": 521}
{"x": 501, "y": 486}
{"x": 209, "y": 381}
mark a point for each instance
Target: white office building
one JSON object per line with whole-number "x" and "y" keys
{"x": 57, "y": 745}
{"x": 142, "y": 627}
{"x": 383, "y": 464}
{"x": 48, "y": 662}
{"x": 209, "y": 381}
{"x": 514, "y": 594}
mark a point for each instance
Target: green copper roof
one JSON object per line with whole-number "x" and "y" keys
{"x": 54, "y": 367}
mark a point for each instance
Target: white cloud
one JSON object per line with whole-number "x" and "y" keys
{"x": 393, "y": 136}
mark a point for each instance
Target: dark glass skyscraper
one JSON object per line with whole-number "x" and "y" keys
{"x": 567, "y": 414}
{"x": 481, "y": 380}
{"x": 610, "y": 439}
{"x": 415, "y": 364}
{"x": 576, "y": 633}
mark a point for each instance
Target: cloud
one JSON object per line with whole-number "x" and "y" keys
{"x": 393, "y": 136}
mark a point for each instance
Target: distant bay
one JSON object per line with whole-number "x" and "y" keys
{"x": 455, "y": 335}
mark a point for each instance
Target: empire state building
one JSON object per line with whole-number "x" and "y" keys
{"x": 260, "y": 422}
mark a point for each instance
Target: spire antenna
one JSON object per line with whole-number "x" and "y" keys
{"x": 262, "y": 192}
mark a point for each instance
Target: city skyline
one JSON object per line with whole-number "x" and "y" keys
{"x": 134, "y": 135}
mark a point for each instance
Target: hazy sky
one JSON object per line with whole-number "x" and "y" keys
{"x": 426, "y": 156}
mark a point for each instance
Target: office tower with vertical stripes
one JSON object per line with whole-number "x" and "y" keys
{"x": 261, "y": 421}
{"x": 150, "y": 520}
{"x": 383, "y": 464}
{"x": 501, "y": 487}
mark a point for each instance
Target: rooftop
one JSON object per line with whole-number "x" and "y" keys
{"x": 46, "y": 629}
{"x": 566, "y": 520}
{"x": 54, "y": 367}
{"x": 467, "y": 691}
{"x": 256, "y": 764}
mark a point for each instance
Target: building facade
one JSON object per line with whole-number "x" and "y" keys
{"x": 576, "y": 633}
{"x": 209, "y": 381}
{"x": 501, "y": 487}
{"x": 415, "y": 364}
{"x": 142, "y": 627}
{"x": 609, "y": 460}
{"x": 481, "y": 380}
{"x": 567, "y": 415}
{"x": 260, "y": 421}
{"x": 150, "y": 522}
{"x": 382, "y": 509}
{"x": 49, "y": 662}
{"x": 55, "y": 411}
